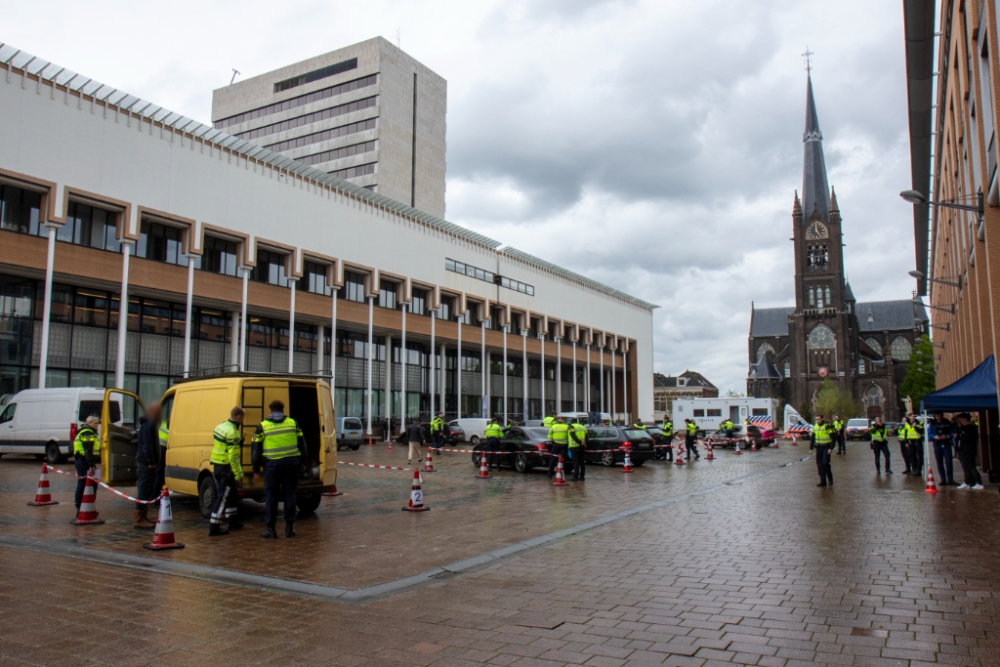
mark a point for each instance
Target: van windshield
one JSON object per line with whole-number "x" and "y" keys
{"x": 857, "y": 422}
{"x": 352, "y": 423}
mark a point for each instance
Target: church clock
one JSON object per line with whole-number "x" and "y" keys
{"x": 816, "y": 230}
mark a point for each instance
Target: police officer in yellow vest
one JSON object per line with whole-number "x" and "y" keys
{"x": 667, "y": 433}
{"x": 690, "y": 436}
{"x": 822, "y": 442}
{"x": 277, "y": 445}
{"x": 839, "y": 435}
{"x": 161, "y": 465}
{"x": 437, "y": 431}
{"x": 559, "y": 435}
{"x": 916, "y": 433}
{"x": 578, "y": 450}
{"x": 86, "y": 454}
{"x": 493, "y": 433}
{"x": 549, "y": 421}
{"x": 880, "y": 446}
{"x": 227, "y": 464}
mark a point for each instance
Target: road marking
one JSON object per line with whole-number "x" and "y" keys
{"x": 368, "y": 594}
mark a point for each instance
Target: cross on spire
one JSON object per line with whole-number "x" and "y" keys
{"x": 807, "y": 55}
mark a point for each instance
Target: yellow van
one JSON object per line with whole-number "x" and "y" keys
{"x": 192, "y": 410}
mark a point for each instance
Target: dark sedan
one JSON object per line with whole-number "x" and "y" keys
{"x": 452, "y": 434}
{"x": 606, "y": 445}
{"x": 523, "y": 447}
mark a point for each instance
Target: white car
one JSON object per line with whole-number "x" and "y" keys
{"x": 44, "y": 422}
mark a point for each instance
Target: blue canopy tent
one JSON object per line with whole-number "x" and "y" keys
{"x": 976, "y": 391}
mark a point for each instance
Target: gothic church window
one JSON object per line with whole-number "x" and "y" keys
{"x": 821, "y": 338}
{"x": 812, "y": 297}
{"x": 765, "y": 348}
{"x": 874, "y": 344}
{"x": 788, "y": 369}
{"x": 828, "y": 296}
{"x": 900, "y": 349}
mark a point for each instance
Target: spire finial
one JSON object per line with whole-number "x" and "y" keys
{"x": 808, "y": 56}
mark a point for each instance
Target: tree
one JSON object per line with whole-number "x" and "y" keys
{"x": 732, "y": 393}
{"x": 830, "y": 400}
{"x": 920, "y": 378}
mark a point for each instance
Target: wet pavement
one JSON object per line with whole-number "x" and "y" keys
{"x": 764, "y": 570}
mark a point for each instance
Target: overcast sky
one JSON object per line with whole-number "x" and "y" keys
{"x": 652, "y": 145}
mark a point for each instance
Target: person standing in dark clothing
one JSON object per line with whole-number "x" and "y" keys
{"x": 822, "y": 442}
{"x": 968, "y": 447}
{"x": 86, "y": 454}
{"x": 903, "y": 435}
{"x": 880, "y": 445}
{"x": 839, "y": 436}
{"x": 940, "y": 434}
{"x": 277, "y": 446}
{"x": 147, "y": 460}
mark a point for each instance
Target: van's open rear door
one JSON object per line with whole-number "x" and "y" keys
{"x": 118, "y": 444}
{"x": 328, "y": 426}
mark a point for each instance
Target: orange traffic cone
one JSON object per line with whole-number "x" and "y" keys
{"x": 87, "y": 515}
{"x": 774, "y": 445}
{"x": 753, "y": 445}
{"x": 679, "y": 454}
{"x": 416, "y": 496}
{"x": 931, "y": 486}
{"x": 711, "y": 456}
{"x": 163, "y": 537}
{"x": 795, "y": 440}
{"x": 627, "y": 464}
{"x": 484, "y": 467}
{"x": 42, "y": 495}
{"x": 389, "y": 449}
{"x": 560, "y": 478}
{"x": 332, "y": 491}
{"x": 428, "y": 463}
{"x": 737, "y": 452}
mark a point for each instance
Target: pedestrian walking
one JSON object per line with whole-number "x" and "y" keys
{"x": 838, "y": 435}
{"x": 822, "y": 442}
{"x": 667, "y": 431}
{"x": 227, "y": 468}
{"x": 437, "y": 431}
{"x": 493, "y": 434}
{"x": 940, "y": 433}
{"x": 689, "y": 439}
{"x": 277, "y": 445}
{"x": 415, "y": 438}
{"x": 147, "y": 460}
{"x": 559, "y": 435}
{"x": 86, "y": 452}
{"x": 578, "y": 450}
{"x": 968, "y": 447}
{"x": 880, "y": 446}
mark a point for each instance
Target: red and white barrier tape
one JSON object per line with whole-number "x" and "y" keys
{"x": 109, "y": 488}
{"x": 372, "y": 465}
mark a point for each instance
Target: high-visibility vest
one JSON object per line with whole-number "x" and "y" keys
{"x": 559, "y": 433}
{"x": 437, "y": 425}
{"x": 822, "y": 434}
{"x": 692, "y": 429}
{"x": 227, "y": 441}
{"x": 493, "y": 431}
{"x": 581, "y": 433}
{"x": 838, "y": 425}
{"x": 164, "y": 433}
{"x": 915, "y": 434}
{"x": 548, "y": 421}
{"x": 667, "y": 429}
{"x": 878, "y": 433}
{"x": 86, "y": 438}
{"x": 281, "y": 439}
{"x": 639, "y": 425}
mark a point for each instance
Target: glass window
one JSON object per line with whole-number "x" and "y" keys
{"x": 20, "y": 210}
{"x": 314, "y": 279}
{"x": 91, "y": 308}
{"x": 354, "y": 287}
{"x": 155, "y": 317}
{"x": 270, "y": 269}
{"x": 212, "y": 324}
{"x": 387, "y": 294}
{"x": 418, "y": 304}
{"x": 160, "y": 243}
{"x": 446, "y": 308}
{"x": 219, "y": 256}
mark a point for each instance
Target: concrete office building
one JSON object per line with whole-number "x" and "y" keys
{"x": 230, "y": 255}
{"x": 368, "y": 113}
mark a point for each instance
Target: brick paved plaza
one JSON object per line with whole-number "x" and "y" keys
{"x": 765, "y": 570}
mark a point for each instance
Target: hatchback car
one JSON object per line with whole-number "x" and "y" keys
{"x": 523, "y": 447}
{"x": 746, "y": 434}
{"x": 606, "y": 445}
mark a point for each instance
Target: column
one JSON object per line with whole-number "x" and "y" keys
{"x": 291, "y": 326}
{"x": 320, "y": 364}
{"x": 371, "y": 345}
{"x": 387, "y": 398}
{"x": 558, "y": 374}
{"x": 489, "y": 396}
{"x": 504, "y": 369}
{"x": 243, "y": 321}
{"x": 524, "y": 375}
{"x": 586, "y": 386}
{"x": 333, "y": 342}
{"x": 625, "y": 385}
{"x": 402, "y": 359}
{"x": 123, "y": 316}
{"x": 234, "y": 340}
{"x": 458, "y": 373}
{"x": 601, "y": 404}
{"x": 614, "y": 381}
{"x": 433, "y": 361}
{"x": 576, "y": 406}
{"x": 541, "y": 337}
{"x": 43, "y": 362}
{"x": 444, "y": 379}
{"x": 484, "y": 369}
{"x": 187, "y": 318}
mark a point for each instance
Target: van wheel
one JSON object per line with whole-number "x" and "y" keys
{"x": 474, "y": 440}
{"x": 53, "y": 455}
{"x": 307, "y": 504}
{"x": 206, "y": 495}
{"x": 355, "y": 448}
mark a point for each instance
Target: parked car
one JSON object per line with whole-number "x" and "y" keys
{"x": 857, "y": 429}
{"x": 453, "y": 433}
{"x": 472, "y": 428}
{"x": 615, "y": 439}
{"x": 746, "y": 434}
{"x": 350, "y": 433}
{"x": 524, "y": 448}
{"x": 44, "y": 422}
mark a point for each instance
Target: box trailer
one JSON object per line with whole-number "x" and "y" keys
{"x": 708, "y": 413}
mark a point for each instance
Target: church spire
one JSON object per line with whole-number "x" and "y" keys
{"x": 815, "y": 190}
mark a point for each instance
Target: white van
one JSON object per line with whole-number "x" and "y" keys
{"x": 350, "y": 433}
{"x": 473, "y": 427}
{"x": 44, "y": 422}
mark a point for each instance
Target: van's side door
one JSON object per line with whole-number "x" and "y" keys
{"x": 7, "y": 424}
{"x": 118, "y": 443}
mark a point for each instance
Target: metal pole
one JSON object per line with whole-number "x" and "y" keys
{"x": 187, "y": 318}
{"x": 333, "y": 344}
{"x": 122, "y": 317}
{"x": 443, "y": 386}
{"x": 371, "y": 344}
{"x": 50, "y": 260}
{"x": 291, "y": 326}
{"x": 403, "y": 413}
{"x": 458, "y": 373}
{"x": 542, "y": 338}
{"x": 601, "y": 403}
{"x": 614, "y": 383}
{"x": 234, "y": 340}
{"x": 558, "y": 374}
{"x": 484, "y": 368}
{"x": 243, "y": 321}
{"x": 387, "y": 399}
{"x": 625, "y": 386}
{"x": 576, "y": 405}
{"x": 524, "y": 375}
{"x": 505, "y": 417}
{"x": 586, "y": 387}
{"x": 433, "y": 366}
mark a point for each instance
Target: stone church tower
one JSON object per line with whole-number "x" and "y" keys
{"x": 863, "y": 348}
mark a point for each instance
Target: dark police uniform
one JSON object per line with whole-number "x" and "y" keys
{"x": 880, "y": 446}
{"x": 277, "y": 445}
{"x": 823, "y": 443}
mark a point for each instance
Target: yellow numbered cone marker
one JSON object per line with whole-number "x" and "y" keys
{"x": 416, "y": 496}
{"x": 87, "y": 515}
{"x": 43, "y": 496}
{"x": 560, "y": 478}
{"x": 163, "y": 538}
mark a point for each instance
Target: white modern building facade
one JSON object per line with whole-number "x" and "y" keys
{"x": 231, "y": 256}
{"x": 367, "y": 113}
